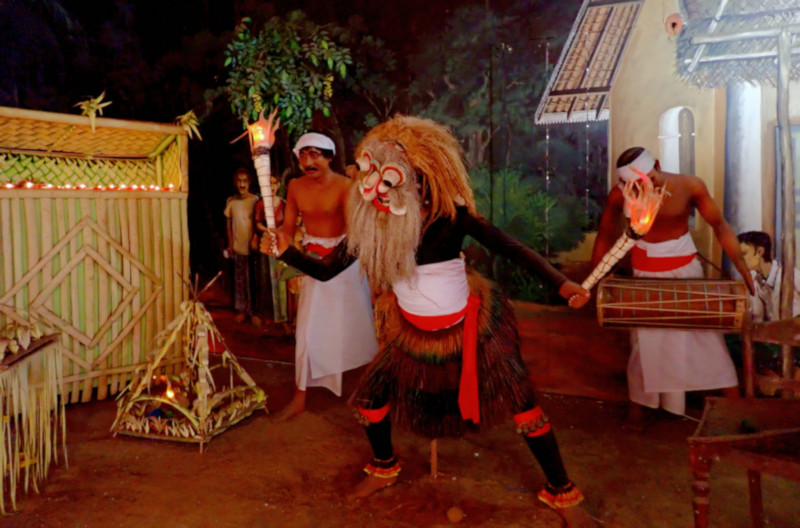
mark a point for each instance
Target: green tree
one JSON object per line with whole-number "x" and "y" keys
{"x": 543, "y": 221}
{"x": 290, "y": 63}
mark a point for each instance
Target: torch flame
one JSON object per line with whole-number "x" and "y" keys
{"x": 643, "y": 200}
{"x": 257, "y": 132}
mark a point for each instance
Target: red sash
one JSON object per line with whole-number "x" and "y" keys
{"x": 468, "y": 400}
{"x": 642, "y": 262}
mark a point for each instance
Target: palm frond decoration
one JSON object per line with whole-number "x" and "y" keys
{"x": 93, "y": 106}
{"x": 189, "y": 123}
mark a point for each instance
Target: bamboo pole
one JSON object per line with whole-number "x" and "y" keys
{"x": 787, "y": 170}
{"x": 88, "y": 315}
{"x": 33, "y": 236}
{"x": 185, "y": 246}
{"x": 170, "y": 310}
{"x": 64, "y": 287}
{"x": 104, "y": 286}
{"x": 134, "y": 344}
{"x": 149, "y": 262}
{"x": 74, "y": 310}
{"x": 183, "y": 145}
{"x": 20, "y": 302}
{"x": 161, "y": 320}
{"x": 7, "y": 242}
{"x": 113, "y": 218}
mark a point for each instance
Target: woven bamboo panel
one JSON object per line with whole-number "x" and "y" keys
{"x": 162, "y": 171}
{"x": 106, "y": 269}
{"x": 63, "y": 149}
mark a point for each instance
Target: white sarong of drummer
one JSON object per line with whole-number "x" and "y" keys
{"x": 666, "y": 363}
{"x": 335, "y": 331}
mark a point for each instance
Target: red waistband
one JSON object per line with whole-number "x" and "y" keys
{"x": 642, "y": 262}
{"x": 434, "y": 322}
{"x": 317, "y": 249}
{"x": 468, "y": 397}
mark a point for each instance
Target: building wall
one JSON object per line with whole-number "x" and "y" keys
{"x": 769, "y": 112}
{"x": 646, "y": 86}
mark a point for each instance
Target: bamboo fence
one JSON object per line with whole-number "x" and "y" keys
{"x": 106, "y": 268}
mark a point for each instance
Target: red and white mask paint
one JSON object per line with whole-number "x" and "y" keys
{"x": 383, "y": 170}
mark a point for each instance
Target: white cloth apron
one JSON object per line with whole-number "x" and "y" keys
{"x": 435, "y": 289}
{"x": 665, "y": 363}
{"x": 335, "y": 331}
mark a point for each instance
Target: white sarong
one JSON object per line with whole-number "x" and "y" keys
{"x": 334, "y": 332}
{"x": 666, "y": 363}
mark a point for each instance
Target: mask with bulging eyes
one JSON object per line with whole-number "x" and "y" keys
{"x": 383, "y": 172}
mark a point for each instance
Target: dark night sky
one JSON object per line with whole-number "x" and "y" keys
{"x": 155, "y": 59}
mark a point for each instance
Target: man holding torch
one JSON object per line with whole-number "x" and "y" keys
{"x": 334, "y": 330}
{"x": 665, "y": 363}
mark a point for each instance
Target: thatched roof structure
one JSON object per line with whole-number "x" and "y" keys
{"x": 731, "y": 41}
{"x": 578, "y": 89}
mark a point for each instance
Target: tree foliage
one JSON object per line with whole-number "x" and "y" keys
{"x": 290, "y": 63}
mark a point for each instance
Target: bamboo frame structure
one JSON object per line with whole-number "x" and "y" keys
{"x": 107, "y": 268}
{"x": 188, "y": 407}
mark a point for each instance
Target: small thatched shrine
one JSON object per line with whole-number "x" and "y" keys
{"x": 203, "y": 400}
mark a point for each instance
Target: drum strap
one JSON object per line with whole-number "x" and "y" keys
{"x": 642, "y": 262}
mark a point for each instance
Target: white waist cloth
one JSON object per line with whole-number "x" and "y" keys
{"x": 326, "y": 242}
{"x": 677, "y": 247}
{"x": 666, "y": 363}
{"x": 334, "y": 329}
{"x": 435, "y": 289}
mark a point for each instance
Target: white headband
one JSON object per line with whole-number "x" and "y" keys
{"x": 313, "y": 139}
{"x": 638, "y": 168}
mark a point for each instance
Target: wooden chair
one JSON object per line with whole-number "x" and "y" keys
{"x": 759, "y": 434}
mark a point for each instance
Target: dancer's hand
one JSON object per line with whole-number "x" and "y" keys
{"x": 575, "y": 295}
{"x": 273, "y": 242}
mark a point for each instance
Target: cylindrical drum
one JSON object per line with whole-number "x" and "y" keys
{"x": 672, "y": 303}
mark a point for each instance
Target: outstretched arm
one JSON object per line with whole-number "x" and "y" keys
{"x": 722, "y": 229}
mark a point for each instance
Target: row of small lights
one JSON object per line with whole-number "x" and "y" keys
{"x": 82, "y": 187}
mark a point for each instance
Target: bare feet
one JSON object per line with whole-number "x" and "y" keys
{"x": 292, "y": 409}
{"x": 577, "y": 517}
{"x": 256, "y": 320}
{"x": 368, "y": 486}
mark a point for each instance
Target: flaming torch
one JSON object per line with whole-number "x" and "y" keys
{"x": 642, "y": 201}
{"x": 262, "y": 137}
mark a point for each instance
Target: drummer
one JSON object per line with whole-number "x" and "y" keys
{"x": 665, "y": 363}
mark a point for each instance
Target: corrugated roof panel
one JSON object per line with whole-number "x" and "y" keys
{"x": 577, "y": 91}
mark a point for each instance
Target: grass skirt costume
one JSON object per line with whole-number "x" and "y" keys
{"x": 418, "y": 371}
{"x": 414, "y": 381}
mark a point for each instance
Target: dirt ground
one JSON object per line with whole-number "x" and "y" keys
{"x": 296, "y": 474}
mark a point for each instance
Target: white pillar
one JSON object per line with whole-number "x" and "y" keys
{"x": 743, "y": 158}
